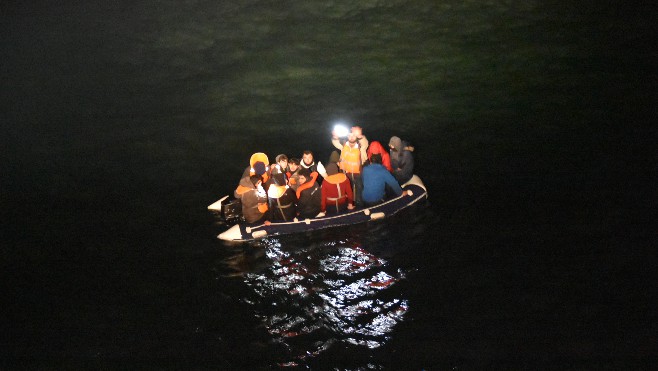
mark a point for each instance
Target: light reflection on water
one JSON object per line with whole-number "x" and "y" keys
{"x": 336, "y": 292}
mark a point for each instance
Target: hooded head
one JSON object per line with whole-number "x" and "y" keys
{"x": 259, "y": 168}
{"x": 334, "y": 158}
{"x": 395, "y": 143}
{"x": 332, "y": 168}
{"x": 281, "y": 158}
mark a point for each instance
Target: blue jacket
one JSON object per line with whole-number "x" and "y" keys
{"x": 375, "y": 179}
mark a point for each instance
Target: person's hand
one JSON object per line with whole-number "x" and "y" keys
{"x": 350, "y": 207}
{"x": 267, "y": 222}
{"x": 334, "y": 134}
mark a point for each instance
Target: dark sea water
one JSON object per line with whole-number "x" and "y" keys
{"x": 534, "y": 128}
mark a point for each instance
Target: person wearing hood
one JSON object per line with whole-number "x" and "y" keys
{"x": 253, "y": 198}
{"x": 402, "y": 160}
{"x": 336, "y": 191}
{"x": 376, "y": 147}
{"x": 257, "y": 166}
{"x": 281, "y": 199}
{"x": 308, "y": 195}
{"x": 376, "y": 181}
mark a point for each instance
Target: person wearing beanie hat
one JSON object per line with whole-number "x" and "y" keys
{"x": 337, "y": 193}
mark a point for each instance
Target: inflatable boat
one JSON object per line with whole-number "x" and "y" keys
{"x": 247, "y": 232}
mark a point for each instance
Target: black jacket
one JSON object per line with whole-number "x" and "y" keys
{"x": 309, "y": 203}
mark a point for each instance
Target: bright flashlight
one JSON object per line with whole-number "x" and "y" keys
{"x": 341, "y": 130}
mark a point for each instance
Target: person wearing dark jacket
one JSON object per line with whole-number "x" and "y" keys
{"x": 253, "y": 198}
{"x": 282, "y": 200}
{"x": 309, "y": 195}
{"x": 402, "y": 160}
{"x": 308, "y": 161}
{"x": 376, "y": 179}
{"x": 293, "y": 173}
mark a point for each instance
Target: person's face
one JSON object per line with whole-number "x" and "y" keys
{"x": 308, "y": 158}
{"x": 283, "y": 164}
{"x": 293, "y": 167}
{"x": 302, "y": 179}
{"x": 351, "y": 137}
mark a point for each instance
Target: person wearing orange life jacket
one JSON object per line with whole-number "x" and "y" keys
{"x": 253, "y": 197}
{"x": 352, "y": 156}
{"x": 337, "y": 193}
{"x": 308, "y": 195}
{"x": 281, "y": 199}
{"x": 293, "y": 173}
{"x": 377, "y": 148}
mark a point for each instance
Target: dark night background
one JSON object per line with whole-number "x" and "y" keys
{"x": 534, "y": 128}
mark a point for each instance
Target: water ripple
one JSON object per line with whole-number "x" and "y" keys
{"x": 312, "y": 298}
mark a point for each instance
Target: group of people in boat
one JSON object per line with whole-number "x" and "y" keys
{"x": 362, "y": 174}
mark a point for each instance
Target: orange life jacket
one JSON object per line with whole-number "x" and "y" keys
{"x": 350, "y": 159}
{"x": 308, "y": 184}
{"x": 336, "y": 179}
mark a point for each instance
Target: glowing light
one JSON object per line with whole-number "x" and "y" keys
{"x": 341, "y": 130}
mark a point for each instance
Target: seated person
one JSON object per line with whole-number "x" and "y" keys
{"x": 375, "y": 181}
{"x": 253, "y": 198}
{"x": 376, "y": 147}
{"x": 336, "y": 191}
{"x": 280, "y": 166}
{"x": 282, "y": 200}
{"x": 257, "y": 166}
{"x": 293, "y": 173}
{"x": 309, "y": 195}
{"x": 308, "y": 161}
